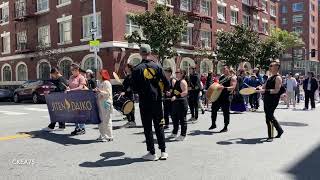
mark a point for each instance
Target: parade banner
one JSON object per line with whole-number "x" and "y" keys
{"x": 73, "y": 107}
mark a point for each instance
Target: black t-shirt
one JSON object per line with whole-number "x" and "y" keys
{"x": 60, "y": 84}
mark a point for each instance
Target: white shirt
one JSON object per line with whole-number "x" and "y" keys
{"x": 291, "y": 84}
{"x": 309, "y": 85}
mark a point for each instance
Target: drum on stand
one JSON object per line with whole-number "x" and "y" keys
{"x": 122, "y": 104}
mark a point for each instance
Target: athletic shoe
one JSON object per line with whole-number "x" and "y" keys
{"x": 173, "y": 136}
{"x": 164, "y": 156}
{"x": 101, "y": 139}
{"x": 313, "y": 109}
{"x": 78, "y": 132}
{"x": 202, "y": 111}
{"x": 269, "y": 140}
{"x": 61, "y": 129}
{"x": 191, "y": 119}
{"x": 279, "y": 134}
{"x": 130, "y": 124}
{"x": 150, "y": 157}
{"x": 194, "y": 121}
{"x": 225, "y": 129}
{"x": 181, "y": 138}
{"x": 47, "y": 129}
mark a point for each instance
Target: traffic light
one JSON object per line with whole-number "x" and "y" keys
{"x": 313, "y": 53}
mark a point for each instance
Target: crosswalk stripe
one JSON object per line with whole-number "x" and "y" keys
{"x": 15, "y": 137}
{"x": 12, "y": 113}
{"x": 36, "y": 109}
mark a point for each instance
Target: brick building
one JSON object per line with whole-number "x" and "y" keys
{"x": 62, "y": 28}
{"x": 301, "y": 16}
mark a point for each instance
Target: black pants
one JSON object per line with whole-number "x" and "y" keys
{"x": 151, "y": 111}
{"x": 193, "y": 101}
{"x": 254, "y": 101}
{"x": 297, "y": 95}
{"x": 130, "y": 116}
{"x": 179, "y": 116}
{"x": 167, "y": 106}
{"x": 270, "y": 104}
{"x": 309, "y": 96}
{"x": 53, "y": 124}
{"x": 224, "y": 104}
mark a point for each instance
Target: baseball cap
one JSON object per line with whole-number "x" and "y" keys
{"x": 89, "y": 71}
{"x": 145, "y": 48}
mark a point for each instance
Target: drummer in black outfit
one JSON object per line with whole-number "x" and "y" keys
{"x": 127, "y": 92}
{"x": 179, "y": 106}
{"x": 228, "y": 83}
{"x": 167, "y": 108}
{"x": 147, "y": 77}
{"x": 194, "y": 92}
{"x": 272, "y": 93}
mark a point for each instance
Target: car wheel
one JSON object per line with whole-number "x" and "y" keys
{"x": 35, "y": 98}
{"x": 16, "y": 98}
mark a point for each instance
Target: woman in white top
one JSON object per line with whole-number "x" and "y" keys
{"x": 104, "y": 101}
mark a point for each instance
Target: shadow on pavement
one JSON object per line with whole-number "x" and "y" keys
{"x": 294, "y": 124}
{"x": 308, "y": 167}
{"x": 243, "y": 141}
{"x": 199, "y": 132}
{"x": 63, "y": 139}
{"x": 117, "y": 160}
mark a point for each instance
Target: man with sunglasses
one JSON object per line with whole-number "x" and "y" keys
{"x": 194, "y": 92}
{"x": 272, "y": 91}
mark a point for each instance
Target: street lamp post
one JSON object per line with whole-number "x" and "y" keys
{"x": 94, "y": 34}
{"x": 305, "y": 60}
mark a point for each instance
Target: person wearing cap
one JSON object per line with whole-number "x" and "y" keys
{"x": 127, "y": 92}
{"x": 254, "y": 98}
{"x": 77, "y": 82}
{"x": 167, "y": 104}
{"x": 104, "y": 102}
{"x": 194, "y": 87}
{"x": 91, "y": 82}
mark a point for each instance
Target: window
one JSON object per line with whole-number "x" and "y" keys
{"x": 185, "y": 5}
{"x": 22, "y": 40}
{"x": 284, "y": 9}
{"x": 206, "y": 66}
{"x": 246, "y": 20}
{"x": 234, "y": 17}
{"x": 205, "y": 39}
{"x": 164, "y": 2}
{"x": 42, "y": 5}
{"x": 65, "y": 68}
{"x": 5, "y": 42}
{"x": 272, "y": 27}
{"x": 206, "y": 7}
{"x": 273, "y": 10}
{"x": 221, "y": 13}
{"x": 44, "y": 70}
{"x": 297, "y": 18}
{"x": 5, "y": 13}
{"x": 65, "y": 32}
{"x": 264, "y": 5}
{"x": 90, "y": 64}
{"x": 22, "y": 72}
{"x": 297, "y": 29}
{"x": 247, "y": 2}
{"x": 20, "y": 8}
{"x": 297, "y": 7}
{"x": 313, "y": 18}
{"x": 255, "y": 25}
{"x": 87, "y": 22}
{"x": 312, "y": 41}
{"x": 186, "y": 63}
{"x": 6, "y": 73}
{"x": 312, "y": 7}
{"x": 187, "y": 37}
{"x": 265, "y": 27}
{"x": 64, "y": 1}
{"x": 313, "y": 30}
{"x": 44, "y": 36}
{"x": 284, "y": 21}
{"x": 131, "y": 27}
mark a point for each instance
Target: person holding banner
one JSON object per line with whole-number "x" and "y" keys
{"x": 61, "y": 85}
{"x": 77, "y": 82}
{"x": 105, "y": 101}
{"x": 147, "y": 76}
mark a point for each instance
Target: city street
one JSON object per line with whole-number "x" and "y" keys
{"x": 239, "y": 154}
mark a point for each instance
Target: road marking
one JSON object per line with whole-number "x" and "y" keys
{"x": 12, "y": 113}
{"x": 15, "y": 137}
{"x": 36, "y": 109}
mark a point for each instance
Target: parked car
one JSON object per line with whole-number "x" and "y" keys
{"x": 33, "y": 90}
{"x": 6, "y": 95}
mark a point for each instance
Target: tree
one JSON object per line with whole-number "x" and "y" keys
{"x": 237, "y": 46}
{"x": 43, "y": 50}
{"x": 161, "y": 30}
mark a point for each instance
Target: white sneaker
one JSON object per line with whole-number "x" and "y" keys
{"x": 173, "y": 136}
{"x": 180, "y": 138}
{"x": 164, "y": 156}
{"x": 47, "y": 129}
{"x": 61, "y": 129}
{"x": 150, "y": 157}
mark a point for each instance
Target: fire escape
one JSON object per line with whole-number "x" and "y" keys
{"x": 198, "y": 18}
{"x": 254, "y": 9}
{"x": 23, "y": 15}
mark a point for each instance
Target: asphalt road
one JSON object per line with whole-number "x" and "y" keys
{"x": 239, "y": 154}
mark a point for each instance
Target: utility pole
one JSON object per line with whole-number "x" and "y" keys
{"x": 94, "y": 34}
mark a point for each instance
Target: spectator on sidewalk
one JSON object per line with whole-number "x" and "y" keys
{"x": 310, "y": 85}
{"x": 291, "y": 85}
{"x": 254, "y": 98}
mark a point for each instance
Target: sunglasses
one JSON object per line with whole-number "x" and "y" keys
{"x": 178, "y": 72}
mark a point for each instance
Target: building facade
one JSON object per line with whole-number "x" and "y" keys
{"x": 301, "y": 16}
{"x": 39, "y": 34}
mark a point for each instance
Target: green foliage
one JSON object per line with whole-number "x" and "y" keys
{"x": 237, "y": 46}
{"x": 161, "y": 30}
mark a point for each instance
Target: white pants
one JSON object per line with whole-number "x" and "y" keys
{"x": 291, "y": 98}
{"x": 105, "y": 127}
